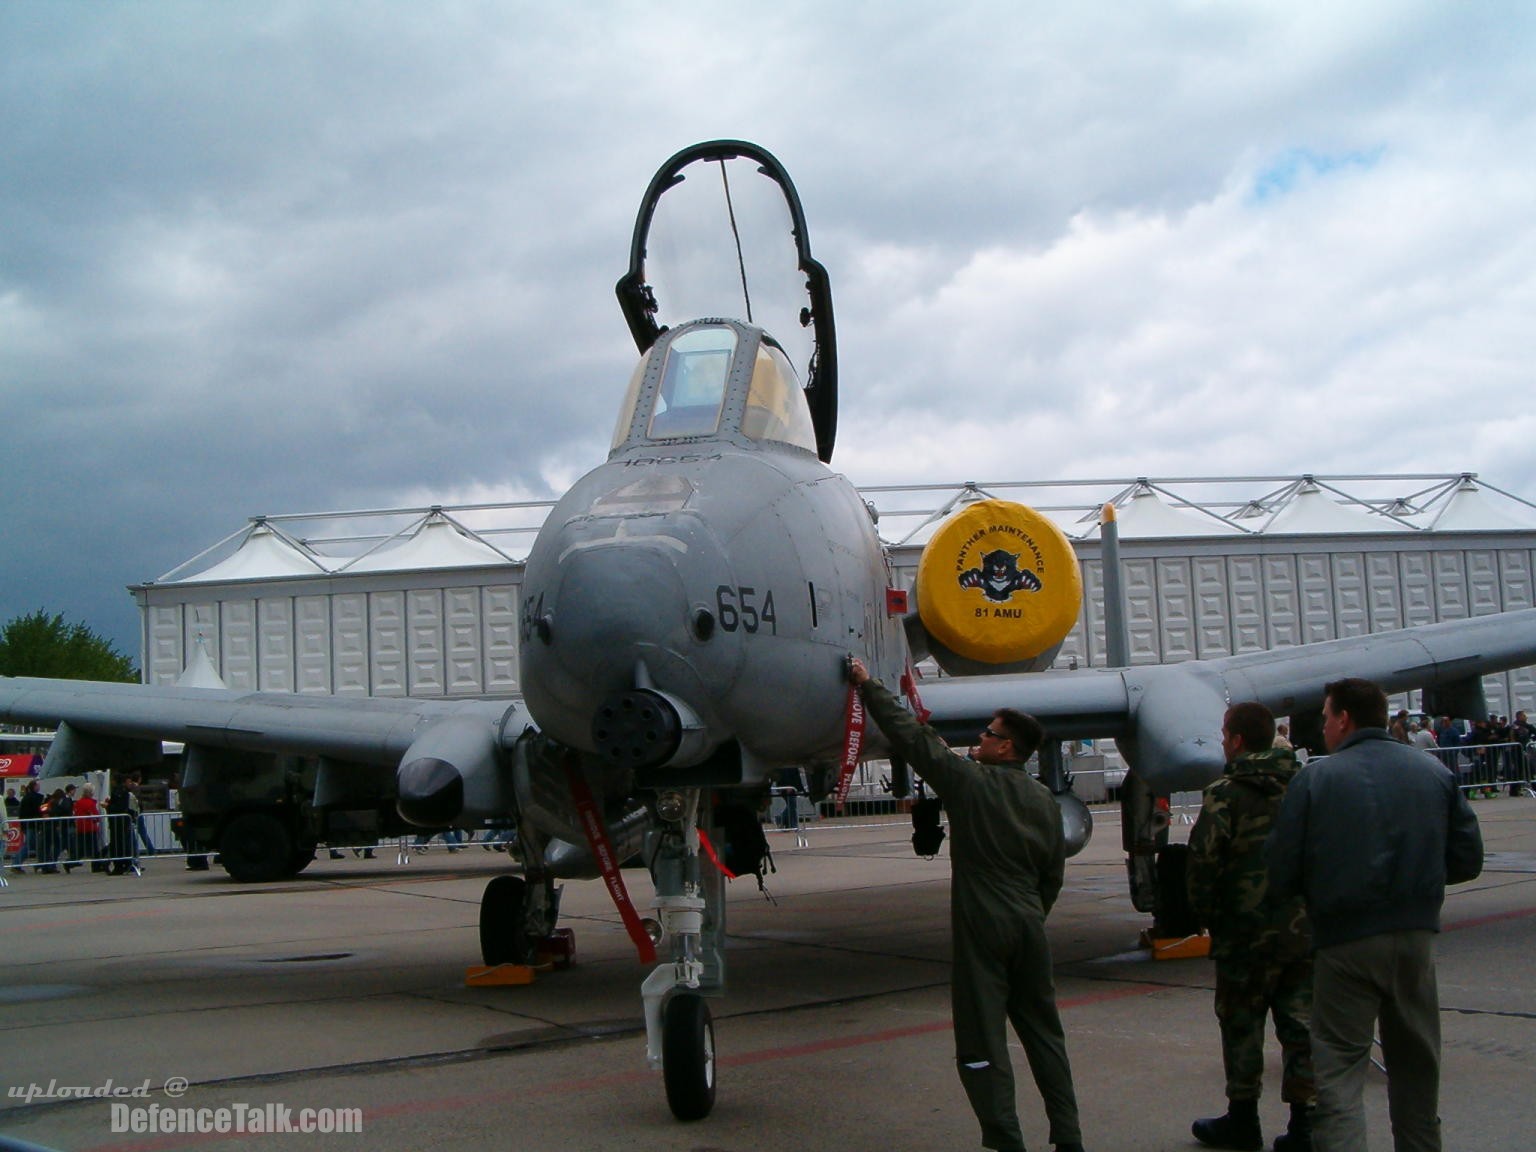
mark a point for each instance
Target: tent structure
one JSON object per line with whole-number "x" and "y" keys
{"x": 264, "y": 554}
{"x": 1467, "y": 509}
{"x": 436, "y": 541}
{"x": 200, "y": 672}
{"x": 1310, "y": 510}
{"x": 1142, "y": 514}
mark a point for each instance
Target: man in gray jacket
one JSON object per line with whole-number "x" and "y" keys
{"x": 1370, "y": 836}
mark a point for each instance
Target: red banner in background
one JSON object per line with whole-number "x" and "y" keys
{"x": 26, "y": 764}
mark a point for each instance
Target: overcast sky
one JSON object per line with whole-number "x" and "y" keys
{"x": 293, "y": 257}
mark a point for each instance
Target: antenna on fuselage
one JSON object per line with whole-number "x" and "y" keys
{"x": 741, "y": 260}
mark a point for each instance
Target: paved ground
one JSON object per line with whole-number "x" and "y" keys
{"x": 344, "y": 989}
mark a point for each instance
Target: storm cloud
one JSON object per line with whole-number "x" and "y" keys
{"x": 293, "y": 257}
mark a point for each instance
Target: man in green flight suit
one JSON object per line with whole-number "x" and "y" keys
{"x": 1008, "y": 858}
{"x": 1261, "y": 946}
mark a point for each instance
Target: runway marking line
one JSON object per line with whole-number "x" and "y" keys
{"x": 102, "y": 919}
{"x": 1491, "y": 918}
{"x": 637, "y": 1076}
{"x": 835, "y": 1043}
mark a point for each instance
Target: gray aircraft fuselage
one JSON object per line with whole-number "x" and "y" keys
{"x": 703, "y": 586}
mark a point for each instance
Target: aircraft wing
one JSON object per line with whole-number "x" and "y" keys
{"x": 365, "y": 730}
{"x": 1167, "y": 718}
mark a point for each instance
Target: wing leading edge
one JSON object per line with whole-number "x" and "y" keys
{"x": 366, "y": 730}
{"x": 1166, "y": 718}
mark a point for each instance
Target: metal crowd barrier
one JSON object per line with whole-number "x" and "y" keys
{"x": 52, "y": 844}
{"x": 1097, "y": 787}
{"x": 56, "y": 844}
{"x": 1488, "y": 769}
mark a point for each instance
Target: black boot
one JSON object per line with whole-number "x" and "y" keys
{"x": 1297, "y": 1136}
{"x": 1237, "y": 1130}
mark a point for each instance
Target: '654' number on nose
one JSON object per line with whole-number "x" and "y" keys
{"x": 740, "y": 608}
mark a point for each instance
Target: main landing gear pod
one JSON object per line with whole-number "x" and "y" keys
{"x": 998, "y": 589}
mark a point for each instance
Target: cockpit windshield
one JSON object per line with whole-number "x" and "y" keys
{"x": 776, "y": 407}
{"x": 693, "y": 384}
{"x": 716, "y": 379}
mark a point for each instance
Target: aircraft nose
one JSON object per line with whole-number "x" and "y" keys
{"x": 614, "y": 607}
{"x": 615, "y": 599}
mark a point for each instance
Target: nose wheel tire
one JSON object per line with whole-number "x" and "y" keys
{"x": 503, "y": 933}
{"x": 688, "y": 1056}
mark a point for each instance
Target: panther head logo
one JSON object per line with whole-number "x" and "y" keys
{"x": 999, "y": 576}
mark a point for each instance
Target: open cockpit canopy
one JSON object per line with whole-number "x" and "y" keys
{"x": 721, "y": 233}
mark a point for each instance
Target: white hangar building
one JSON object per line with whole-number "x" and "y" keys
{"x": 424, "y": 601}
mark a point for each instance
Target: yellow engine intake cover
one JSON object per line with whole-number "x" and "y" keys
{"x": 998, "y": 583}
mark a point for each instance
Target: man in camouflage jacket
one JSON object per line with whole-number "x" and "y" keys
{"x": 1262, "y": 947}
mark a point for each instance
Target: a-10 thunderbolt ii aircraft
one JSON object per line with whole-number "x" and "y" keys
{"x": 688, "y": 610}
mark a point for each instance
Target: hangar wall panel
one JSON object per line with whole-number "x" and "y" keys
{"x": 163, "y": 660}
{"x": 1416, "y": 574}
{"x": 1315, "y": 576}
{"x": 1483, "y": 594}
{"x": 1176, "y": 610}
{"x": 1383, "y": 592}
{"x": 424, "y": 634}
{"x": 1139, "y": 577}
{"x": 1496, "y": 691}
{"x": 1074, "y": 651}
{"x": 462, "y": 639}
{"x": 200, "y": 622}
{"x": 1071, "y": 653}
{"x": 353, "y": 648}
{"x": 237, "y": 643}
{"x": 1088, "y": 632}
{"x": 500, "y": 622}
{"x": 387, "y": 642}
{"x": 312, "y": 643}
{"x": 1449, "y": 572}
{"x": 1266, "y": 602}
{"x": 1515, "y": 578}
{"x": 276, "y": 633}
{"x": 1213, "y": 620}
{"x": 1515, "y": 566}
{"x": 1350, "y": 614}
{"x": 1281, "y": 605}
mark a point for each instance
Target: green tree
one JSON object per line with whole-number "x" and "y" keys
{"x": 41, "y": 645}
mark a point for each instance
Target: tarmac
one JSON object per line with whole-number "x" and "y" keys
{"x": 344, "y": 990}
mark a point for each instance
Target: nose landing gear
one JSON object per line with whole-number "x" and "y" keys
{"x": 679, "y": 1030}
{"x": 688, "y": 1056}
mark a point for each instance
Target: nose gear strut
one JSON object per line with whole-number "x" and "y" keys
{"x": 690, "y": 905}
